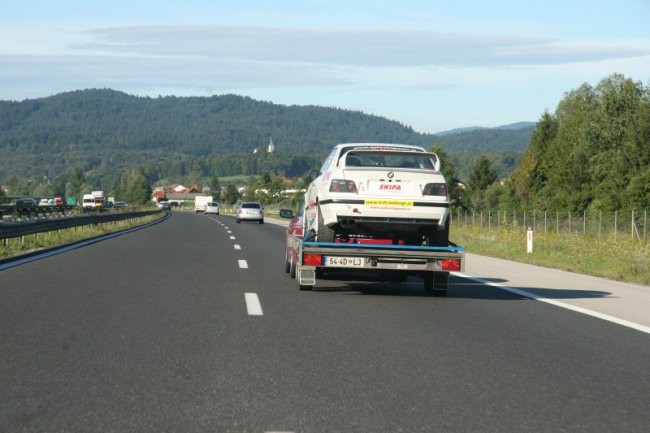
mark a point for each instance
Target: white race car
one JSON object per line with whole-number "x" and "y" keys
{"x": 374, "y": 190}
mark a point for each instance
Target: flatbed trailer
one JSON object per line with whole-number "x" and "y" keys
{"x": 432, "y": 264}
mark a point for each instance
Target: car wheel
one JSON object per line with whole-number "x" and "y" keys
{"x": 325, "y": 234}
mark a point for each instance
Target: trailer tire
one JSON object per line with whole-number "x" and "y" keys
{"x": 292, "y": 268}
{"x": 325, "y": 234}
{"x": 436, "y": 284}
{"x": 305, "y": 287}
{"x": 287, "y": 265}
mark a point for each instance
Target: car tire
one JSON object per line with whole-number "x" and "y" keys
{"x": 325, "y": 234}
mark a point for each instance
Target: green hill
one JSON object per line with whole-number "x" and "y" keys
{"x": 104, "y": 131}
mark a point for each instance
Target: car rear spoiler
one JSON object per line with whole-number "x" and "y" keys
{"x": 433, "y": 156}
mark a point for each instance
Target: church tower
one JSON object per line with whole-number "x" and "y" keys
{"x": 271, "y": 148}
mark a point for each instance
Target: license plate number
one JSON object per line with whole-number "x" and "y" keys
{"x": 344, "y": 262}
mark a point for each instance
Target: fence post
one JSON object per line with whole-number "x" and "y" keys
{"x": 569, "y": 221}
{"x": 489, "y": 219}
{"x": 545, "y": 215}
{"x": 600, "y": 222}
{"x": 645, "y": 214}
{"x": 632, "y": 225}
{"x": 529, "y": 240}
{"x": 584, "y": 222}
{"x": 615, "y": 224}
{"x": 557, "y": 222}
{"x": 524, "y": 217}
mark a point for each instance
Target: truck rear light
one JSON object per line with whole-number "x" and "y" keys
{"x": 439, "y": 189}
{"x": 312, "y": 259}
{"x": 451, "y": 265}
{"x": 343, "y": 185}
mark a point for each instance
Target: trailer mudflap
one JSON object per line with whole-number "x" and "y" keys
{"x": 306, "y": 276}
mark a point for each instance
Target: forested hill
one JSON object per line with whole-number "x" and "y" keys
{"x": 103, "y": 130}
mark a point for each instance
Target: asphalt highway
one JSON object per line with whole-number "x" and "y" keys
{"x": 192, "y": 325}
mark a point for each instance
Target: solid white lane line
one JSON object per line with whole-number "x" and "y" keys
{"x": 253, "y": 305}
{"x": 242, "y": 264}
{"x": 232, "y": 237}
{"x": 237, "y": 246}
{"x": 591, "y": 313}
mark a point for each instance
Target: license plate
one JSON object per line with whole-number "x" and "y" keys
{"x": 344, "y": 262}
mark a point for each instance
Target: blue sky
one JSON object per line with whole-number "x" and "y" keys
{"x": 433, "y": 65}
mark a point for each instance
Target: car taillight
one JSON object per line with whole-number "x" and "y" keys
{"x": 343, "y": 185}
{"x": 450, "y": 264}
{"x": 435, "y": 189}
{"x": 312, "y": 259}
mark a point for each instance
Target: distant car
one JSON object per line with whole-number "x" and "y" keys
{"x": 294, "y": 233}
{"x": 119, "y": 204}
{"x": 58, "y": 201}
{"x": 250, "y": 211}
{"x": 164, "y": 204}
{"x": 212, "y": 207}
{"x": 25, "y": 203}
{"x": 108, "y": 204}
{"x": 44, "y": 202}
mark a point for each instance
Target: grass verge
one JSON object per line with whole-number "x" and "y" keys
{"x": 40, "y": 241}
{"x": 620, "y": 259}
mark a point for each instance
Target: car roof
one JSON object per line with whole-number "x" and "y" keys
{"x": 383, "y": 146}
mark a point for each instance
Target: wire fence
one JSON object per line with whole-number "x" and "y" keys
{"x": 631, "y": 225}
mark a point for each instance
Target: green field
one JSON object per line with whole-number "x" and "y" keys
{"x": 622, "y": 259}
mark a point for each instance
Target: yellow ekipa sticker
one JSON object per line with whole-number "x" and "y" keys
{"x": 388, "y": 202}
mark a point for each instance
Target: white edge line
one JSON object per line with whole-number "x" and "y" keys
{"x": 586, "y": 311}
{"x": 253, "y": 305}
{"x": 242, "y": 264}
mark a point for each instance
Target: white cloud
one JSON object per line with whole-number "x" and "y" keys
{"x": 354, "y": 47}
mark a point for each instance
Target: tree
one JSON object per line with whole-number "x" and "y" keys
{"x": 231, "y": 195}
{"x": 3, "y": 196}
{"x": 482, "y": 175}
{"x": 215, "y": 187}
{"x": 134, "y": 187}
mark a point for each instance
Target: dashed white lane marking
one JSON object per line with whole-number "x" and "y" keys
{"x": 253, "y": 305}
{"x": 591, "y": 313}
{"x": 232, "y": 237}
{"x": 229, "y": 232}
{"x": 225, "y": 227}
{"x": 242, "y": 264}
{"x": 237, "y": 246}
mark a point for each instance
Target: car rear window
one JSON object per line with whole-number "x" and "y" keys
{"x": 251, "y": 205}
{"x": 387, "y": 159}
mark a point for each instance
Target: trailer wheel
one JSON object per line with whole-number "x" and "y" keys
{"x": 287, "y": 265}
{"x": 436, "y": 283}
{"x": 325, "y": 234}
{"x": 305, "y": 287}
{"x": 292, "y": 268}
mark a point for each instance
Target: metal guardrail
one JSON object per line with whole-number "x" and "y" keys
{"x": 23, "y": 228}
